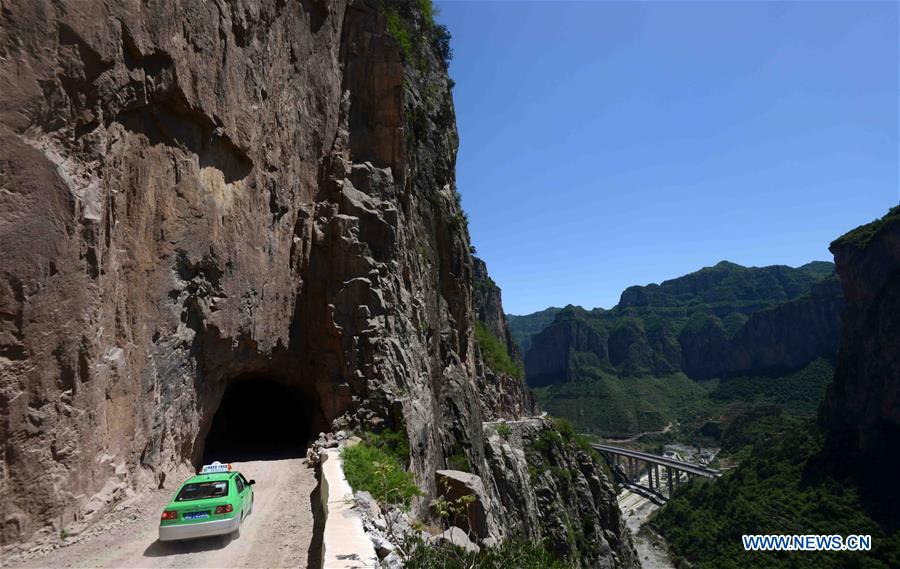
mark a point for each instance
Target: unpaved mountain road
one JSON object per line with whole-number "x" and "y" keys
{"x": 278, "y": 533}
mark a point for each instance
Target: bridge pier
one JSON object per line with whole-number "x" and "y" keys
{"x": 631, "y": 464}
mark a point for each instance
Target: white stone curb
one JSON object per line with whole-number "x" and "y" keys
{"x": 345, "y": 544}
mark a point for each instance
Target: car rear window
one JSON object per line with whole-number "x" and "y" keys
{"x": 201, "y": 490}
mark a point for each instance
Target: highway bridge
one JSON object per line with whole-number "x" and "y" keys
{"x": 632, "y": 464}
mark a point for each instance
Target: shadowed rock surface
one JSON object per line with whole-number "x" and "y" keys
{"x": 862, "y": 406}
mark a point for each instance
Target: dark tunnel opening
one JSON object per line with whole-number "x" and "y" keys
{"x": 260, "y": 419}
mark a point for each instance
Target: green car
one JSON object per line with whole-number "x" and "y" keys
{"x": 214, "y": 502}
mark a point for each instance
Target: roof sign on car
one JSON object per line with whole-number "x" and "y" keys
{"x": 215, "y": 467}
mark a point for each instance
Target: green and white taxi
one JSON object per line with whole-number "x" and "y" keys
{"x": 214, "y": 502}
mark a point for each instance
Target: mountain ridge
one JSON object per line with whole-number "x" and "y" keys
{"x": 717, "y": 321}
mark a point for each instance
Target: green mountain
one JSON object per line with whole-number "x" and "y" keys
{"x": 632, "y": 368}
{"x": 720, "y": 321}
{"x": 833, "y": 476}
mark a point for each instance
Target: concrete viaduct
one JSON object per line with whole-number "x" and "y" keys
{"x": 631, "y": 464}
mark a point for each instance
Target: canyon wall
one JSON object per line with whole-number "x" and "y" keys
{"x": 198, "y": 194}
{"x": 489, "y": 308}
{"x": 862, "y": 406}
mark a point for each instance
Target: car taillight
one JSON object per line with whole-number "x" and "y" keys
{"x": 224, "y": 509}
{"x": 169, "y": 515}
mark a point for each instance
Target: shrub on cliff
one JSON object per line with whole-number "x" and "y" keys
{"x": 494, "y": 352}
{"x": 375, "y": 470}
{"x": 411, "y": 23}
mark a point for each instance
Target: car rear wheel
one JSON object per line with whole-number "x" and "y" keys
{"x": 237, "y": 532}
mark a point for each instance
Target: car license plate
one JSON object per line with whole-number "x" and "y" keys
{"x": 196, "y": 515}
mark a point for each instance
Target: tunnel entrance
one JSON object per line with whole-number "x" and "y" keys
{"x": 260, "y": 419}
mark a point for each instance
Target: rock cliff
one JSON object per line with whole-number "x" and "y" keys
{"x": 523, "y": 328}
{"x": 862, "y": 406}
{"x": 202, "y": 195}
{"x": 501, "y": 392}
{"x": 489, "y": 308}
{"x": 554, "y": 489}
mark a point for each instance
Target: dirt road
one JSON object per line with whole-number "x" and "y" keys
{"x": 279, "y": 532}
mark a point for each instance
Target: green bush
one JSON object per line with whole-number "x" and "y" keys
{"x": 394, "y": 443}
{"x": 494, "y": 352}
{"x": 412, "y": 31}
{"x": 370, "y": 468}
{"x": 503, "y": 430}
{"x": 398, "y": 30}
{"x": 565, "y": 427}
{"x": 511, "y": 554}
{"x": 458, "y": 461}
{"x": 428, "y": 11}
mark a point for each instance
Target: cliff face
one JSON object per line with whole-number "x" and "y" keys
{"x": 548, "y": 359}
{"x": 523, "y": 328}
{"x": 721, "y": 321}
{"x": 196, "y": 196}
{"x": 553, "y": 489}
{"x": 789, "y": 335}
{"x": 219, "y": 193}
{"x": 489, "y": 307}
{"x": 862, "y": 406}
{"x": 501, "y": 393}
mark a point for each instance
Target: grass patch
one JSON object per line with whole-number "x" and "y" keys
{"x": 394, "y": 443}
{"x": 458, "y": 461}
{"x": 377, "y": 466}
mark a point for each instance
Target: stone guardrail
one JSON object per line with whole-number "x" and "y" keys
{"x": 345, "y": 544}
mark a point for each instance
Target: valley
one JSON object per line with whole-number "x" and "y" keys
{"x": 696, "y": 352}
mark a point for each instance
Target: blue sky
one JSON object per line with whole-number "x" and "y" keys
{"x": 609, "y": 144}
